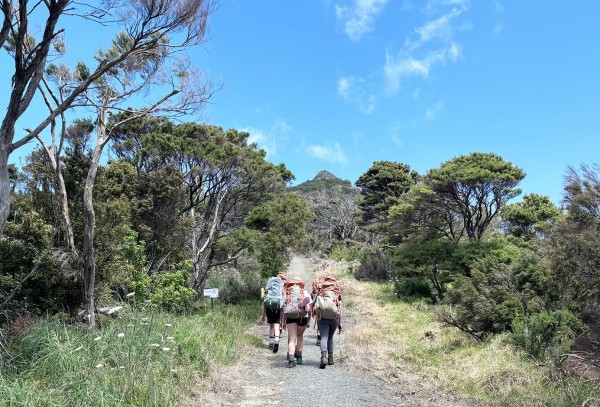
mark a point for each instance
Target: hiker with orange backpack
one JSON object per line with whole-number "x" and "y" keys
{"x": 296, "y": 315}
{"x": 327, "y": 310}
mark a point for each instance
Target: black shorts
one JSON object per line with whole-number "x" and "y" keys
{"x": 273, "y": 315}
{"x": 300, "y": 321}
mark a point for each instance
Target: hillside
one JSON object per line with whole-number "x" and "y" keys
{"x": 324, "y": 180}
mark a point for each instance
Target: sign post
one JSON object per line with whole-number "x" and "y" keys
{"x": 212, "y": 293}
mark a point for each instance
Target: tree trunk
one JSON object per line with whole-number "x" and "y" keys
{"x": 89, "y": 260}
{"x": 200, "y": 274}
{"x": 4, "y": 186}
{"x": 64, "y": 203}
{"x": 205, "y": 235}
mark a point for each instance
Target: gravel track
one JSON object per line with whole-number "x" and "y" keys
{"x": 262, "y": 377}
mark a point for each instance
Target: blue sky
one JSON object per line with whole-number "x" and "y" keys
{"x": 337, "y": 85}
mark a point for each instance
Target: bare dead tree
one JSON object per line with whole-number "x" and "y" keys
{"x": 148, "y": 26}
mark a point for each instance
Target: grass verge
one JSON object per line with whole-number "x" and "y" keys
{"x": 491, "y": 373}
{"x": 404, "y": 344}
{"x": 134, "y": 360}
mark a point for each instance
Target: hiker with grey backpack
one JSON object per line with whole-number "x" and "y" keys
{"x": 327, "y": 309}
{"x": 271, "y": 308}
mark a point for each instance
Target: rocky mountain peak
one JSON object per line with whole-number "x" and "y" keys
{"x": 324, "y": 176}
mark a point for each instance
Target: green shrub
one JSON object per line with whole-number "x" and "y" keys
{"x": 172, "y": 291}
{"x": 413, "y": 287}
{"x": 346, "y": 250}
{"x": 375, "y": 265}
{"x": 547, "y": 333}
{"x": 234, "y": 285}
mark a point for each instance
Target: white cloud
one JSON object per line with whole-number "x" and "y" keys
{"x": 332, "y": 153}
{"x": 432, "y": 44}
{"x": 272, "y": 139}
{"x": 498, "y": 28}
{"x": 358, "y": 19}
{"x": 352, "y": 89}
{"x": 397, "y": 69}
{"x": 431, "y": 112}
{"x": 344, "y": 87}
{"x": 395, "y": 134}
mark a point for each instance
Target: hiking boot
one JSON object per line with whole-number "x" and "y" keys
{"x": 323, "y": 360}
{"x": 271, "y": 344}
{"x": 276, "y": 345}
{"x": 330, "y": 359}
{"x": 298, "y": 356}
{"x": 291, "y": 361}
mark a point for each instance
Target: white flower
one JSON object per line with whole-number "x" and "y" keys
{"x": 97, "y": 338}
{"x": 169, "y": 325}
{"x": 173, "y": 370}
{"x": 165, "y": 349}
{"x": 154, "y": 345}
{"x": 99, "y": 365}
{"x": 120, "y": 335}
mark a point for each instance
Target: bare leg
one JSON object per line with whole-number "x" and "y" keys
{"x": 300, "y": 338}
{"x": 292, "y": 336}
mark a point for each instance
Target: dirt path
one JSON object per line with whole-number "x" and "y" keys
{"x": 360, "y": 376}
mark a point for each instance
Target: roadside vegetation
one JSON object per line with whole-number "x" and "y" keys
{"x": 136, "y": 359}
{"x": 392, "y": 339}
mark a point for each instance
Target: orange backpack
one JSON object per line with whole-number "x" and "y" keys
{"x": 293, "y": 293}
{"x": 326, "y": 291}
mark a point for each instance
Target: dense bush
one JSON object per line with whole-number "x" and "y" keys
{"x": 346, "y": 250}
{"x": 236, "y": 286}
{"x": 374, "y": 265}
{"x": 415, "y": 287}
{"x": 548, "y": 333}
{"x": 171, "y": 290}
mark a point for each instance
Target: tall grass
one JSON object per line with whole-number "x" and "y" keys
{"x": 135, "y": 360}
{"x": 492, "y": 372}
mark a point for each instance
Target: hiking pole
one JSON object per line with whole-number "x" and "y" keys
{"x": 340, "y": 342}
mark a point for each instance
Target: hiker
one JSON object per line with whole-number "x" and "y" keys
{"x": 296, "y": 311}
{"x": 271, "y": 309}
{"x": 327, "y": 309}
{"x": 273, "y": 318}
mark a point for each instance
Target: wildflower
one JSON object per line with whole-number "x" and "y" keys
{"x": 165, "y": 349}
{"x": 120, "y": 335}
{"x": 97, "y": 338}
